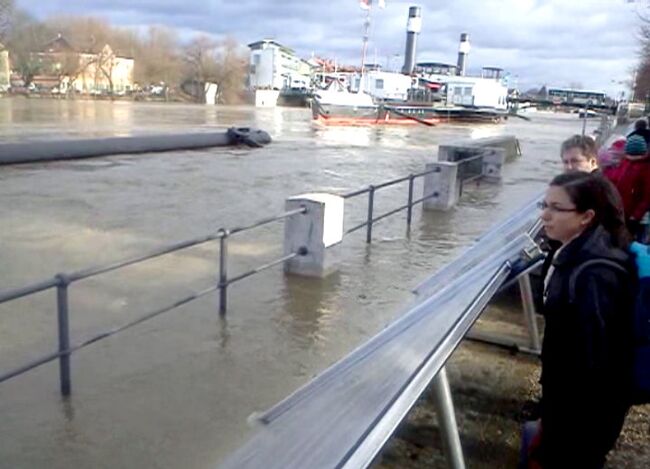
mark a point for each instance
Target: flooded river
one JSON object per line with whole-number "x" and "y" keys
{"x": 175, "y": 392}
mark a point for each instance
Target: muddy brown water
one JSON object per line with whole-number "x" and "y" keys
{"x": 176, "y": 391}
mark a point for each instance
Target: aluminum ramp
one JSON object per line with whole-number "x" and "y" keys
{"x": 344, "y": 416}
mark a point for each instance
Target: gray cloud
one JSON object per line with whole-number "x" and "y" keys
{"x": 542, "y": 41}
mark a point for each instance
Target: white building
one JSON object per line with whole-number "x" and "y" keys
{"x": 5, "y": 72}
{"x": 275, "y": 67}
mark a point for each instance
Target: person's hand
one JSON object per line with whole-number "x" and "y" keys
{"x": 642, "y": 258}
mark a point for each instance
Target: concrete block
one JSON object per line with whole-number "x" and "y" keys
{"x": 318, "y": 230}
{"x": 456, "y": 153}
{"x": 443, "y": 183}
{"x": 508, "y": 142}
{"x": 493, "y": 161}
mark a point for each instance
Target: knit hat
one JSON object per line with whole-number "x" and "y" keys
{"x": 636, "y": 146}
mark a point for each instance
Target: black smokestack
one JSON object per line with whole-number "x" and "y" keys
{"x": 413, "y": 28}
{"x": 463, "y": 51}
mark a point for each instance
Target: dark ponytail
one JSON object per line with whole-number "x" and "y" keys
{"x": 593, "y": 192}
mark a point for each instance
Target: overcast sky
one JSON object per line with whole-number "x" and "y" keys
{"x": 553, "y": 42}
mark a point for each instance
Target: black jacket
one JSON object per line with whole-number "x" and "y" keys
{"x": 586, "y": 353}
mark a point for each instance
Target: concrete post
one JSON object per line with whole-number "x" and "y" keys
{"x": 320, "y": 228}
{"x": 508, "y": 142}
{"x": 493, "y": 161}
{"x": 457, "y": 153}
{"x": 442, "y": 184}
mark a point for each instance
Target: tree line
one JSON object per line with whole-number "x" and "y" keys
{"x": 160, "y": 56}
{"x": 641, "y": 77}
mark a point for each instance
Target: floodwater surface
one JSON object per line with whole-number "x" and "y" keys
{"x": 176, "y": 391}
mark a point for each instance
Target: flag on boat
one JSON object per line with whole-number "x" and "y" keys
{"x": 366, "y": 4}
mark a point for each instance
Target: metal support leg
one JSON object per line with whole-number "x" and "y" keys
{"x": 371, "y": 203}
{"x": 409, "y": 210}
{"x": 64, "y": 334}
{"x": 447, "y": 420}
{"x": 529, "y": 312}
{"x": 223, "y": 271}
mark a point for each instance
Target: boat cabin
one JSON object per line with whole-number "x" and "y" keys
{"x": 477, "y": 92}
{"x": 383, "y": 85}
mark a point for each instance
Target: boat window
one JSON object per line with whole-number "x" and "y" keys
{"x": 468, "y": 91}
{"x": 458, "y": 90}
{"x": 379, "y": 84}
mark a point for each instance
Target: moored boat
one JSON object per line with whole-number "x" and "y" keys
{"x": 342, "y": 107}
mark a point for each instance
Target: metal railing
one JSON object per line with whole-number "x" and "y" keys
{"x": 62, "y": 282}
{"x": 467, "y": 173}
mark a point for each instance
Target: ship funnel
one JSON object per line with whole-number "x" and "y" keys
{"x": 463, "y": 52}
{"x": 413, "y": 27}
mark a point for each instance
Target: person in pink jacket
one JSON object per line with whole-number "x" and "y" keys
{"x": 632, "y": 179}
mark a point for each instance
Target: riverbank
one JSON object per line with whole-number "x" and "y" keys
{"x": 493, "y": 391}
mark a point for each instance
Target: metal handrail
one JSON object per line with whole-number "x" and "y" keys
{"x": 63, "y": 280}
{"x": 371, "y": 189}
{"x": 392, "y": 182}
{"x": 69, "y": 350}
{"x": 409, "y": 205}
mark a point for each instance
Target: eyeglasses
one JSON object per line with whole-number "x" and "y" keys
{"x": 554, "y": 208}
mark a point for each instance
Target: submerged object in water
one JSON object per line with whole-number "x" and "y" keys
{"x": 29, "y": 152}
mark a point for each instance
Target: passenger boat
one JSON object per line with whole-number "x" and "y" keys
{"x": 337, "y": 106}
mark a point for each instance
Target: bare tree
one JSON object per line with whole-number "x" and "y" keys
{"x": 159, "y": 60}
{"x": 640, "y": 77}
{"x": 199, "y": 57}
{"x": 232, "y": 66}
{"x": 7, "y": 10}
{"x": 105, "y": 64}
{"x": 86, "y": 34}
{"x": 26, "y": 37}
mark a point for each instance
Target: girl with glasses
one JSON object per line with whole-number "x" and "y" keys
{"x": 586, "y": 352}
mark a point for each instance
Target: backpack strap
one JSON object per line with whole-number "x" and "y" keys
{"x": 573, "y": 279}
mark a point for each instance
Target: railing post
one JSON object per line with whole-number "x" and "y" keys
{"x": 64, "y": 333}
{"x": 223, "y": 271}
{"x": 441, "y": 186}
{"x": 529, "y": 312}
{"x": 315, "y": 233}
{"x": 409, "y": 210}
{"x": 371, "y": 202}
{"x": 447, "y": 420}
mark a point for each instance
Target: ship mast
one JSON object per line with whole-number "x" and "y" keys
{"x": 366, "y": 34}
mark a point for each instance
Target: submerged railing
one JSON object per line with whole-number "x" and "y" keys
{"x": 466, "y": 175}
{"x": 63, "y": 281}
